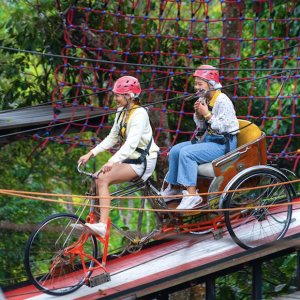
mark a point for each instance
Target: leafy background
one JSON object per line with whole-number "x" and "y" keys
{"x": 27, "y": 80}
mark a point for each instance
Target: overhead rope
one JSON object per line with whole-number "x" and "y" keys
{"x": 164, "y": 77}
{"x": 152, "y": 66}
{"x": 25, "y": 193}
{"x": 212, "y": 49}
{"x": 187, "y": 98}
{"x": 153, "y": 210}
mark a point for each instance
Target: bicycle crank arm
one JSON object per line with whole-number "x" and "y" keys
{"x": 100, "y": 279}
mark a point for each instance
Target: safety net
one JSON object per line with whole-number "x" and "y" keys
{"x": 161, "y": 43}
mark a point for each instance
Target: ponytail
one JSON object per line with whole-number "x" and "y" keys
{"x": 137, "y": 101}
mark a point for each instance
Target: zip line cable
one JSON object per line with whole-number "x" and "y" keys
{"x": 278, "y": 94}
{"x": 187, "y": 98}
{"x": 150, "y": 66}
{"x": 155, "y": 79}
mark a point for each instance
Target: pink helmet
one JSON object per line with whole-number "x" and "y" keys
{"x": 206, "y": 74}
{"x": 127, "y": 84}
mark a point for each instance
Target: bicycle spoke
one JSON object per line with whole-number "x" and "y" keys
{"x": 48, "y": 265}
{"x": 260, "y": 225}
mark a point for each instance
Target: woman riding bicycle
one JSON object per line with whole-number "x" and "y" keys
{"x": 137, "y": 154}
{"x": 217, "y": 128}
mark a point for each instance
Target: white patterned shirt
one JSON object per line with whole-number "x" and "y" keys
{"x": 223, "y": 117}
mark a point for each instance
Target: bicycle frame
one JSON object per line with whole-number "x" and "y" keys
{"x": 173, "y": 226}
{"x": 168, "y": 224}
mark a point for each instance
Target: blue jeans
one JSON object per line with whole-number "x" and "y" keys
{"x": 185, "y": 157}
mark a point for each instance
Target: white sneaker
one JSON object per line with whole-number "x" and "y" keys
{"x": 169, "y": 191}
{"x": 77, "y": 226}
{"x": 189, "y": 202}
{"x": 97, "y": 229}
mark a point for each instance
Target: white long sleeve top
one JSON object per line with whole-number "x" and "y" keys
{"x": 138, "y": 133}
{"x": 223, "y": 117}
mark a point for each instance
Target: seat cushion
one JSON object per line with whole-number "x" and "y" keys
{"x": 206, "y": 170}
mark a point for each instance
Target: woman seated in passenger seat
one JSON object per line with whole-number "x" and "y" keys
{"x": 217, "y": 129}
{"x": 137, "y": 154}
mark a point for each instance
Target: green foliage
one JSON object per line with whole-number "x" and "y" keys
{"x": 27, "y": 80}
{"x": 279, "y": 277}
{"x": 49, "y": 171}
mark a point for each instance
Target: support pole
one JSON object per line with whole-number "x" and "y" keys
{"x": 256, "y": 282}
{"x": 162, "y": 296}
{"x": 298, "y": 269}
{"x": 210, "y": 289}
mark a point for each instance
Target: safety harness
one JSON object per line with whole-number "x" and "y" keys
{"x": 144, "y": 152}
{"x": 201, "y": 134}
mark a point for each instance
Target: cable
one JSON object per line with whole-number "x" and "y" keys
{"x": 156, "y": 79}
{"x": 51, "y": 102}
{"x": 145, "y": 65}
{"x": 188, "y": 98}
{"x": 281, "y": 88}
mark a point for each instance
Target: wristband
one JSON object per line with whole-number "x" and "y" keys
{"x": 207, "y": 115}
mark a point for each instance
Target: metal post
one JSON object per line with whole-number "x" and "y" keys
{"x": 298, "y": 269}
{"x": 210, "y": 289}
{"x": 256, "y": 282}
{"x": 162, "y": 296}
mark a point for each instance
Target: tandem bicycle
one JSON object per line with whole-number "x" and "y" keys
{"x": 61, "y": 255}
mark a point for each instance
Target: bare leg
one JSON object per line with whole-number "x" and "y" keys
{"x": 191, "y": 189}
{"x": 119, "y": 173}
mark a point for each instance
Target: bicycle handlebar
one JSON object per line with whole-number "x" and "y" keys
{"x": 92, "y": 175}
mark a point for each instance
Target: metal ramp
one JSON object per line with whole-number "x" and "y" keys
{"x": 174, "y": 265}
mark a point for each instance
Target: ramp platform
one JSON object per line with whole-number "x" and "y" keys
{"x": 174, "y": 265}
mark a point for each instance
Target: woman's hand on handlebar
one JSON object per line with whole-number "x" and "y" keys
{"x": 107, "y": 167}
{"x": 85, "y": 158}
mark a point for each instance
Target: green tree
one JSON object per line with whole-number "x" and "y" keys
{"x": 27, "y": 80}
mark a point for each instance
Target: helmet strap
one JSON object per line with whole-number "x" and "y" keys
{"x": 208, "y": 92}
{"x": 127, "y": 101}
{"x": 203, "y": 92}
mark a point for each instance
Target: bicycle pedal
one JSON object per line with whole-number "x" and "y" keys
{"x": 218, "y": 234}
{"x": 100, "y": 279}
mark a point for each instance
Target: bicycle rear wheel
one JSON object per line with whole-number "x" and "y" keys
{"x": 252, "y": 227}
{"x": 49, "y": 269}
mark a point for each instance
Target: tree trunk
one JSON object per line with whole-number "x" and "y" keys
{"x": 231, "y": 46}
{"x": 164, "y": 138}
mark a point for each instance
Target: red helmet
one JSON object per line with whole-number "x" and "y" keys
{"x": 127, "y": 84}
{"x": 206, "y": 74}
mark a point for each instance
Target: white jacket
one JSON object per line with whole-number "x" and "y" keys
{"x": 138, "y": 133}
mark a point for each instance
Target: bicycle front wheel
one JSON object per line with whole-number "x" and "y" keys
{"x": 254, "y": 225}
{"x": 46, "y": 263}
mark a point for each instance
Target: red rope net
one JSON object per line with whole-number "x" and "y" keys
{"x": 177, "y": 33}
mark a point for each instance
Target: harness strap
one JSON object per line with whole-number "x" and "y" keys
{"x": 140, "y": 160}
{"x": 227, "y": 137}
{"x": 123, "y": 125}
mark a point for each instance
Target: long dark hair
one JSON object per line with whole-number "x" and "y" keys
{"x": 137, "y": 101}
{"x": 229, "y": 95}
